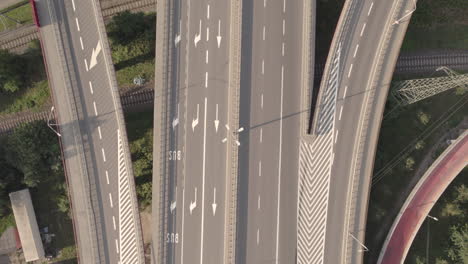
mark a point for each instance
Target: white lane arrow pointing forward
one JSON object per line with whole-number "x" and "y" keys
{"x": 216, "y": 122}
{"x": 213, "y": 205}
{"x": 218, "y": 38}
{"x": 173, "y": 206}
{"x": 195, "y": 121}
{"x": 175, "y": 122}
{"x": 193, "y": 204}
{"x": 197, "y": 36}
{"x": 94, "y": 55}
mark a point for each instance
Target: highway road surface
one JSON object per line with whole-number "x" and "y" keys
{"x": 192, "y": 133}
{"x": 347, "y": 121}
{"x": 92, "y": 130}
{"x": 270, "y": 103}
{"x": 421, "y": 200}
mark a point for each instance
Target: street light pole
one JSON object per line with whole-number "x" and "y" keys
{"x": 365, "y": 249}
{"x": 427, "y": 239}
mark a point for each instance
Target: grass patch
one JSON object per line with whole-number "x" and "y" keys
{"x": 144, "y": 69}
{"x": 140, "y": 135}
{"x": 67, "y": 255}
{"x": 451, "y": 36}
{"x": 6, "y": 222}
{"x": 32, "y": 99}
{"x": 22, "y": 14}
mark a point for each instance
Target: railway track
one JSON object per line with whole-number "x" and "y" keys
{"x": 17, "y": 40}
{"x": 129, "y": 99}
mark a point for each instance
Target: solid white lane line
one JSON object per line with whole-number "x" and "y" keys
{"x": 203, "y": 186}
{"x": 86, "y": 64}
{"x": 113, "y": 221}
{"x": 282, "y": 49}
{"x": 261, "y": 135}
{"x": 206, "y": 79}
{"x": 284, "y": 27}
{"x": 103, "y": 154}
{"x": 73, "y": 4}
{"x": 91, "y": 87}
{"x": 341, "y": 112}
{"x": 117, "y": 246}
{"x": 263, "y": 34}
{"x": 345, "y": 90}
{"x": 206, "y": 57}
{"x": 107, "y": 177}
{"x": 110, "y": 200}
{"x": 183, "y": 225}
{"x": 261, "y": 101}
{"x": 362, "y": 30}
{"x": 208, "y": 12}
{"x": 370, "y": 9}
{"x": 207, "y": 34}
{"x": 77, "y": 24}
{"x": 95, "y": 109}
{"x": 81, "y": 43}
{"x": 355, "y": 51}
{"x": 99, "y": 131}
{"x": 258, "y": 202}
{"x": 279, "y": 166}
{"x": 350, "y": 70}
{"x": 263, "y": 66}
{"x": 260, "y": 168}
{"x": 258, "y": 236}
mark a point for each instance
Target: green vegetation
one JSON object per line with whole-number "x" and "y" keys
{"x": 448, "y": 237}
{"x": 407, "y": 135}
{"x": 140, "y": 135}
{"x": 132, "y": 40}
{"x": 30, "y": 158}
{"x": 22, "y": 82}
{"x": 438, "y": 24}
{"x": 5, "y": 222}
{"x": 21, "y": 12}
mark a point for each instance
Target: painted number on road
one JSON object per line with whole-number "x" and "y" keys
{"x": 175, "y": 155}
{"x": 172, "y": 238}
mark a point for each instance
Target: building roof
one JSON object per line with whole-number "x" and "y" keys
{"x": 27, "y": 225}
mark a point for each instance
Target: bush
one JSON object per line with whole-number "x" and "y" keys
{"x": 409, "y": 163}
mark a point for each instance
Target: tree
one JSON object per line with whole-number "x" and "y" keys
{"x": 12, "y": 74}
{"x": 409, "y": 163}
{"x": 458, "y": 252}
{"x": 424, "y": 118}
{"x": 126, "y": 26}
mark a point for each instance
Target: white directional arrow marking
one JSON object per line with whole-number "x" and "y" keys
{"x": 214, "y": 205}
{"x": 175, "y": 122}
{"x": 193, "y": 204}
{"x": 94, "y": 55}
{"x": 197, "y": 36}
{"x": 216, "y": 122}
{"x": 177, "y": 40}
{"x": 218, "y": 38}
{"x": 173, "y": 206}
{"x": 195, "y": 121}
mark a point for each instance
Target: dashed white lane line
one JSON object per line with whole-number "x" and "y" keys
{"x": 258, "y": 202}
{"x": 263, "y": 33}
{"x": 284, "y": 6}
{"x": 282, "y": 49}
{"x": 260, "y": 168}
{"x": 117, "y": 246}
{"x": 95, "y": 108}
{"x": 370, "y": 9}
{"x": 258, "y": 236}
{"x": 345, "y": 90}
{"x": 206, "y": 79}
{"x": 73, "y": 4}
{"x": 206, "y": 57}
{"x": 284, "y": 27}
{"x": 264, "y": 3}
{"x": 77, "y": 24}
{"x": 103, "y": 154}
{"x": 99, "y": 131}
{"x": 263, "y": 66}
{"x": 81, "y": 43}
{"x": 207, "y": 34}
{"x": 261, "y": 135}
{"x": 208, "y": 12}
{"x": 107, "y": 177}
{"x": 355, "y": 51}
{"x": 91, "y": 87}
{"x": 363, "y": 28}
{"x": 336, "y": 136}
{"x": 350, "y": 70}
{"x": 86, "y": 64}
{"x": 113, "y": 221}
{"x": 261, "y": 101}
{"x": 341, "y": 112}
{"x": 110, "y": 200}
